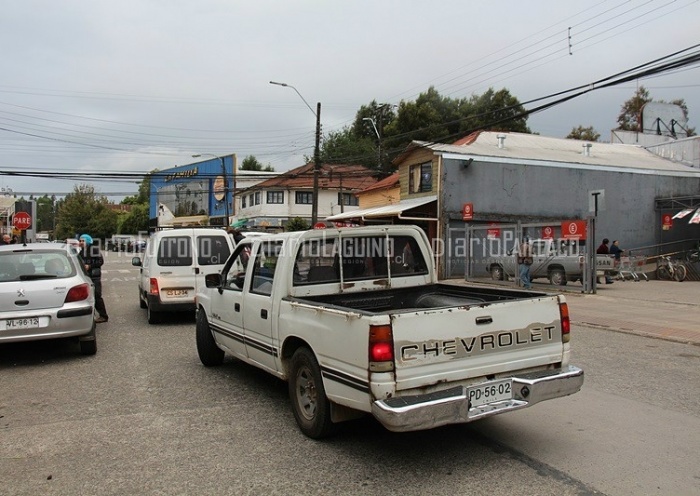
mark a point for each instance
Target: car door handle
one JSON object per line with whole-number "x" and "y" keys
{"x": 237, "y": 307}
{"x": 263, "y": 314}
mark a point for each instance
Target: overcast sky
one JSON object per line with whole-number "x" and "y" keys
{"x": 134, "y": 85}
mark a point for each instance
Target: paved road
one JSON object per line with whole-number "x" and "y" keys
{"x": 143, "y": 416}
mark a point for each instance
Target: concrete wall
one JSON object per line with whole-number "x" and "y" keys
{"x": 509, "y": 193}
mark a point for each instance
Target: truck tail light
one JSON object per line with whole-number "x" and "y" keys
{"x": 153, "y": 286}
{"x": 78, "y": 293}
{"x": 381, "y": 348}
{"x": 565, "y": 322}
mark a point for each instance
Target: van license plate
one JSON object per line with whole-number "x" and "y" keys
{"x": 490, "y": 392}
{"x": 28, "y": 323}
{"x": 176, "y": 293}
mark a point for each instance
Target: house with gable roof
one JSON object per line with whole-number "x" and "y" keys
{"x": 273, "y": 202}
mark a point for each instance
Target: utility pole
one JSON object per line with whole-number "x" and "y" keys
{"x": 379, "y": 142}
{"x": 317, "y": 165}
{"x": 317, "y": 150}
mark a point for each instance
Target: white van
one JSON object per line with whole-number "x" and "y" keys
{"x": 173, "y": 267}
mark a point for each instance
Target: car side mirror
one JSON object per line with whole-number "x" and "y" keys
{"x": 136, "y": 261}
{"x": 212, "y": 280}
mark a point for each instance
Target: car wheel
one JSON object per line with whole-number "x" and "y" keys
{"x": 557, "y": 277}
{"x": 209, "y": 353}
{"x": 153, "y": 317}
{"x": 142, "y": 302}
{"x": 311, "y": 407}
{"x": 496, "y": 272}
{"x": 88, "y": 344}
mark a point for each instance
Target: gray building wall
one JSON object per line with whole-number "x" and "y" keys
{"x": 509, "y": 193}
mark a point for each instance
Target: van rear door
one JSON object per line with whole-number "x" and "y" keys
{"x": 212, "y": 251}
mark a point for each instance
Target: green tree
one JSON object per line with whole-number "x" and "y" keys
{"x": 83, "y": 211}
{"x": 297, "y": 224}
{"x": 144, "y": 194}
{"x": 631, "y": 111}
{"x": 250, "y": 163}
{"x": 136, "y": 220}
{"x": 584, "y": 134}
{"x": 45, "y": 213}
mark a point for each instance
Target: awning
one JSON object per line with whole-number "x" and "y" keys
{"x": 394, "y": 210}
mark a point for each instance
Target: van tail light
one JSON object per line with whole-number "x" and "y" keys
{"x": 381, "y": 348}
{"x": 78, "y": 293}
{"x": 565, "y": 322}
{"x": 153, "y": 286}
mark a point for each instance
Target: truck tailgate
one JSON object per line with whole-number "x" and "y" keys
{"x": 459, "y": 343}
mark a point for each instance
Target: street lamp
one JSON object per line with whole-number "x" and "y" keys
{"x": 379, "y": 141}
{"x": 317, "y": 151}
{"x": 223, "y": 172}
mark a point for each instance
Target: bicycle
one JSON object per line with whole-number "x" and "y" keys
{"x": 693, "y": 256}
{"x": 668, "y": 269}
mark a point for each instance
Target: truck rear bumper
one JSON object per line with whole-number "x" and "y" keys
{"x": 451, "y": 406}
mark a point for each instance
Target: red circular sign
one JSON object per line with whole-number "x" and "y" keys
{"x": 22, "y": 220}
{"x": 320, "y": 225}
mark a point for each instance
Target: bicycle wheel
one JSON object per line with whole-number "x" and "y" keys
{"x": 662, "y": 272}
{"x": 679, "y": 272}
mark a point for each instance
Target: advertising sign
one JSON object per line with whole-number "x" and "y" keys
{"x": 573, "y": 229}
{"x": 666, "y": 222}
{"x": 493, "y": 232}
{"x": 467, "y": 211}
{"x": 547, "y": 232}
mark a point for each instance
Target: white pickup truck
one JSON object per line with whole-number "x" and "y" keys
{"x": 356, "y": 322}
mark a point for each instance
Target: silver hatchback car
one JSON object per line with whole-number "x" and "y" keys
{"x": 45, "y": 294}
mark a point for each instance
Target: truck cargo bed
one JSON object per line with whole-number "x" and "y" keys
{"x": 407, "y": 299}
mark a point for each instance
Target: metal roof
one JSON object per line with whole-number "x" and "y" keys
{"x": 386, "y": 211}
{"x": 559, "y": 151}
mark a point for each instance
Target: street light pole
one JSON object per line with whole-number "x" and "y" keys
{"x": 379, "y": 142}
{"x": 317, "y": 150}
{"x": 223, "y": 172}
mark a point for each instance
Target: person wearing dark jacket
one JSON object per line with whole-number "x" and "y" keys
{"x": 92, "y": 260}
{"x": 616, "y": 251}
{"x": 603, "y": 250}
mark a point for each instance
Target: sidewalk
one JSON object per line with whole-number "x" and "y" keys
{"x": 661, "y": 309}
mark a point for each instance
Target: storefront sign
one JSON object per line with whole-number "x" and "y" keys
{"x": 666, "y": 222}
{"x": 493, "y": 232}
{"x": 548, "y": 232}
{"x": 573, "y": 229}
{"x": 467, "y": 211}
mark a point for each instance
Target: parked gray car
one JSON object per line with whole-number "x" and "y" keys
{"x": 45, "y": 294}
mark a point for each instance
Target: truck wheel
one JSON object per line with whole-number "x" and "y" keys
{"x": 209, "y": 354}
{"x": 557, "y": 277}
{"x": 312, "y": 409}
{"x": 153, "y": 317}
{"x": 496, "y": 272}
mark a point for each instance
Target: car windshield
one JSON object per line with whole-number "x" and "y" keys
{"x": 24, "y": 265}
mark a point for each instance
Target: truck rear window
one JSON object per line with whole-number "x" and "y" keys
{"x": 356, "y": 258}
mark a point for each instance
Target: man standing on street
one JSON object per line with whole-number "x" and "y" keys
{"x": 524, "y": 262}
{"x": 92, "y": 260}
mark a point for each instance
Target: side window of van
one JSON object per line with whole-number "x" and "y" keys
{"x": 212, "y": 250}
{"x": 175, "y": 251}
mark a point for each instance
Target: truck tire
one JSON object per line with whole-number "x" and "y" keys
{"x": 496, "y": 273}
{"x": 557, "y": 277}
{"x": 209, "y": 354}
{"x": 311, "y": 407}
